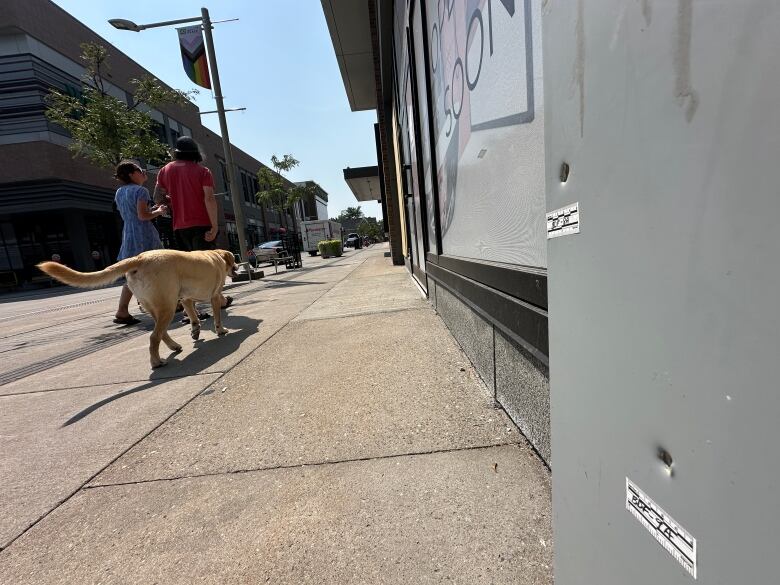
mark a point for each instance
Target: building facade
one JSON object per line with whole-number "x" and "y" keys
{"x": 54, "y": 203}
{"x": 457, "y": 87}
{"x": 639, "y": 170}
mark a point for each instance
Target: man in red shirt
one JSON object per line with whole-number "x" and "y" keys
{"x": 188, "y": 188}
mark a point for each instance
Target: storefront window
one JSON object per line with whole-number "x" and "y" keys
{"x": 485, "y": 71}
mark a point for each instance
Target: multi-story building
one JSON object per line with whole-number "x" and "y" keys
{"x": 54, "y": 203}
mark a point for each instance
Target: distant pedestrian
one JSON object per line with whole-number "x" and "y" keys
{"x": 138, "y": 234}
{"x": 189, "y": 188}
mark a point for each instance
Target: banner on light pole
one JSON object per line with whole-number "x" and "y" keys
{"x": 193, "y": 55}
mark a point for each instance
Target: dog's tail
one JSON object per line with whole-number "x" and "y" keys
{"x": 89, "y": 279}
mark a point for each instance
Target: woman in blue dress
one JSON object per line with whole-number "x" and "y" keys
{"x": 139, "y": 234}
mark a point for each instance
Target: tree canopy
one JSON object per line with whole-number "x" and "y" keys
{"x": 350, "y": 213}
{"x": 105, "y": 129}
{"x": 370, "y": 227}
{"x": 275, "y": 191}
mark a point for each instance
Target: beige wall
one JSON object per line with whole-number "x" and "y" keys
{"x": 399, "y": 185}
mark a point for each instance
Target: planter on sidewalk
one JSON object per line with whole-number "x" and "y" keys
{"x": 330, "y": 248}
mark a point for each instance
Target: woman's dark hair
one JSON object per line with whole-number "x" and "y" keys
{"x": 124, "y": 169}
{"x": 187, "y": 149}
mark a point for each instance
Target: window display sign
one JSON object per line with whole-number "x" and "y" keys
{"x": 485, "y": 71}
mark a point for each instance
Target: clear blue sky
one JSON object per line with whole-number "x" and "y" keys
{"x": 278, "y": 62}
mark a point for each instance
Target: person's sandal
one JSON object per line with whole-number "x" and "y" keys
{"x": 228, "y": 302}
{"x": 201, "y": 316}
{"x": 126, "y": 320}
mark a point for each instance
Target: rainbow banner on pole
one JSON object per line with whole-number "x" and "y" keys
{"x": 193, "y": 55}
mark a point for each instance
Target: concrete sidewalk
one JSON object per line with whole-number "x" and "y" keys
{"x": 337, "y": 435}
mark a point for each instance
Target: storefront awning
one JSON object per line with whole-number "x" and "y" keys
{"x": 350, "y": 33}
{"x": 364, "y": 183}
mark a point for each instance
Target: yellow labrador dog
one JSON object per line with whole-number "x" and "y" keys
{"x": 158, "y": 279}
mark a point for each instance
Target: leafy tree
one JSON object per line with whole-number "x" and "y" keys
{"x": 371, "y": 228}
{"x": 364, "y": 229}
{"x": 350, "y": 213}
{"x": 106, "y": 130}
{"x": 278, "y": 193}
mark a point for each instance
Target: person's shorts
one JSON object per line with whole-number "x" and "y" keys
{"x": 193, "y": 238}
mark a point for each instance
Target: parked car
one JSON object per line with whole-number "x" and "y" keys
{"x": 267, "y": 250}
{"x": 353, "y": 241}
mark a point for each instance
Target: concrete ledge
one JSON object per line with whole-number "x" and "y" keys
{"x": 244, "y": 276}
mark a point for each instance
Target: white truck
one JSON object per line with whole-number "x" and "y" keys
{"x": 314, "y": 231}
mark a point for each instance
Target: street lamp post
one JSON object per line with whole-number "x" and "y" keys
{"x": 233, "y": 187}
{"x": 212, "y": 59}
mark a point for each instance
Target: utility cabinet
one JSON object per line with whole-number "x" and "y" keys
{"x": 662, "y": 137}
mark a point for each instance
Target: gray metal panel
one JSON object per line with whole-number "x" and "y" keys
{"x": 663, "y": 312}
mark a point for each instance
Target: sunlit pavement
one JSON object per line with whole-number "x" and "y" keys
{"x": 337, "y": 434}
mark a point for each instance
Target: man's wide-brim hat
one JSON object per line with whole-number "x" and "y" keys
{"x": 186, "y": 144}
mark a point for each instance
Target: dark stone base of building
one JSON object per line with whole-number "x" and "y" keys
{"x": 41, "y": 220}
{"x": 520, "y": 382}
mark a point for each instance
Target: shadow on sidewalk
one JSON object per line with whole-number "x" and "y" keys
{"x": 58, "y": 290}
{"x": 207, "y": 352}
{"x": 286, "y": 283}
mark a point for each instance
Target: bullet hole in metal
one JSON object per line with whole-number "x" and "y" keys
{"x": 564, "y": 172}
{"x": 666, "y": 458}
